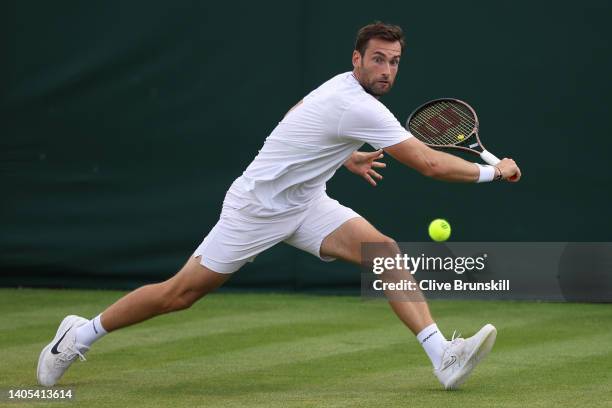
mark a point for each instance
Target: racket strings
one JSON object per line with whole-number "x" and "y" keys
{"x": 438, "y": 138}
{"x": 423, "y": 123}
{"x": 435, "y": 112}
{"x": 449, "y": 136}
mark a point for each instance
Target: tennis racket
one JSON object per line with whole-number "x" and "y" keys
{"x": 449, "y": 123}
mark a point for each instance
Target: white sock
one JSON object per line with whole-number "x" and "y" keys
{"x": 433, "y": 342}
{"x": 90, "y": 332}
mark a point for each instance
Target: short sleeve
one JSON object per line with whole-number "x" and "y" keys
{"x": 369, "y": 121}
{"x": 312, "y": 93}
{"x": 308, "y": 96}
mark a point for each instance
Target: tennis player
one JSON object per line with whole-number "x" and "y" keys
{"x": 281, "y": 197}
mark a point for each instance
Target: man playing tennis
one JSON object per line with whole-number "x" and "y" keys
{"x": 281, "y": 198}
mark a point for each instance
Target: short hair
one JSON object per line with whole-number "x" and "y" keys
{"x": 380, "y": 30}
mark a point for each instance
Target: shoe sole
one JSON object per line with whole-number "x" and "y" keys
{"x": 479, "y": 352}
{"x": 66, "y": 324}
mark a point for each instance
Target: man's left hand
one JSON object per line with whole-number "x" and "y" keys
{"x": 364, "y": 163}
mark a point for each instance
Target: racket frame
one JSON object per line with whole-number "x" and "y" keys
{"x": 487, "y": 156}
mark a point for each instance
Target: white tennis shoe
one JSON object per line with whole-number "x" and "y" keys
{"x": 463, "y": 355}
{"x": 58, "y": 355}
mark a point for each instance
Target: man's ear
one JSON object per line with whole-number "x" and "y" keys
{"x": 356, "y": 59}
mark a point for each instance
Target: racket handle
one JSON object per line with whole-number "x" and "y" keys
{"x": 489, "y": 157}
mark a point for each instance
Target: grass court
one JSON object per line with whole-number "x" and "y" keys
{"x": 288, "y": 350}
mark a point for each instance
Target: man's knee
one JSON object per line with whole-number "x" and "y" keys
{"x": 189, "y": 285}
{"x": 176, "y": 297}
{"x": 185, "y": 301}
{"x": 383, "y": 239}
{"x": 386, "y": 246}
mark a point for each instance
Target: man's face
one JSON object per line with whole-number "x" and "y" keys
{"x": 377, "y": 68}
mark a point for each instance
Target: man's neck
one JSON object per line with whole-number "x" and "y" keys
{"x": 356, "y": 76}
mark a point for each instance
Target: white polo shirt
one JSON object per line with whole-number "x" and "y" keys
{"x": 310, "y": 144}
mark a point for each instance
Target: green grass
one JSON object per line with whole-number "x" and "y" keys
{"x": 265, "y": 350}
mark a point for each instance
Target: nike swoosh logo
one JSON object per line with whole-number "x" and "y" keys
{"x": 449, "y": 363}
{"x": 54, "y": 350}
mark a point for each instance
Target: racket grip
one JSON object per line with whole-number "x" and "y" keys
{"x": 489, "y": 157}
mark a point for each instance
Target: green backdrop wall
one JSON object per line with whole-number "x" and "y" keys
{"x": 123, "y": 123}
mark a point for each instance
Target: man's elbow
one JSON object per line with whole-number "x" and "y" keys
{"x": 432, "y": 167}
{"x": 413, "y": 153}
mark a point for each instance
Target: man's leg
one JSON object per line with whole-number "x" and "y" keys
{"x": 235, "y": 240}
{"x": 181, "y": 291}
{"x": 76, "y": 334}
{"x": 345, "y": 243}
{"x": 454, "y": 360}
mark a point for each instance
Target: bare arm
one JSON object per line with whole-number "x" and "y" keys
{"x": 443, "y": 166}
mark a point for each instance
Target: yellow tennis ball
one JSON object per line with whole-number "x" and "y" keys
{"x": 439, "y": 230}
{"x": 460, "y": 136}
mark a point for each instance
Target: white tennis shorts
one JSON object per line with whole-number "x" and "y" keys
{"x": 238, "y": 237}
